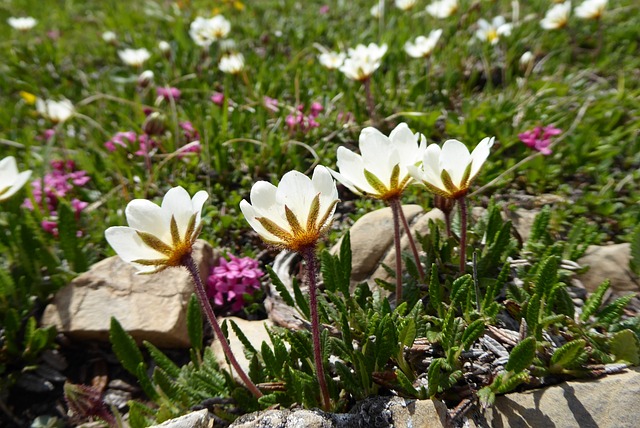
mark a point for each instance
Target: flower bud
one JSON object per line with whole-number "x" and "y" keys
{"x": 154, "y": 124}
{"x": 145, "y": 78}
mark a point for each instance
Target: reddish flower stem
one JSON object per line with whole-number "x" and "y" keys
{"x": 189, "y": 263}
{"x": 396, "y": 239}
{"x": 309, "y": 256}
{"x": 462, "y": 202}
{"x": 412, "y": 243}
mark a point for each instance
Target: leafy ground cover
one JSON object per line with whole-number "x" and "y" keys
{"x": 131, "y": 136}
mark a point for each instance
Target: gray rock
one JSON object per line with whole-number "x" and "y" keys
{"x": 199, "y": 419}
{"x": 149, "y": 307}
{"x": 609, "y": 262}
{"x": 256, "y": 333}
{"x": 609, "y": 402}
{"x": 522, "y": 220}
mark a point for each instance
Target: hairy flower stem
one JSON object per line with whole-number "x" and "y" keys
{"x": 309, "y": 256}
{"x": 187, "y": 261}
{"x": 371, "y": 106}
{"x": 395, "y": 208}
{"x": 412, "y": 242}
{"x": 462, "y": 202}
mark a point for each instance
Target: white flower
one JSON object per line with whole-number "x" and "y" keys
{"x": 145, "y": 78}
{"x": 376, "y": 10}
{"x": 449, "y": 171}
{"x": 527, "y": 58}
{"x": 442, "y": 8}
{"x": 134, "y": 57}
{"x": 55, "y": 111}
{"x": 332, "y": 60}
{"x": 405, "y": 4}
{"x": 295, "y": 214}
{"x": 556, "y": 17}
{"x": 109, "y": 36}
{"x": 158, "y": 236}
{"x": 10, "y": 179}
{"x": 380, "y": 170}
{"x": 25, "y": 23}
{"x": 423, "y": 46}
{"x": 231, "y": 63}
{"x": 491, "y": 32}
{"x": 164, "y": 46}
{"x": 205, "y": 31}
{"x": 591, "y": 9}
{"x": 362, "y": 61}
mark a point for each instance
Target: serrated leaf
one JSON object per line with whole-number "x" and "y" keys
{"x": 406, "y": 384}
{"x": 487, "y": 396}
{"x": 125, "y": 347}
{"x": 194, "y": 322}
{"x": 280, "y": 287}
{"x": 68, "y": 238}
{"x": 345, "y": 262}
{"x": 472, "y": 333}
{"x": 139, "y": 414}
{"x": 494, "y": 288}
{"x": 626, "y": 347}
{"x": 634, "y": 263}
{"x": 611, "y": 313}
{"x": 301, "y": 300}
{"x": 534, "y": 307}
{"x": 328, "y": 269}
{"x": 434, "y": 376}
{"x": 511, "y": 382}
{"x": 593, "y": 302}
{"x": 145, "y": 382}
{"x": 567, "y": 353}
{"x": 522, "y": 355}
{"x": 162, "y": 360}
{"x": 546, "y": 277}
{"x": 435, "y": 291}
{"x": 539, "y": 230}
{"x": 408, "y": 333}
{"x": 249, "y": 350}
{"x": 7, "y": 286}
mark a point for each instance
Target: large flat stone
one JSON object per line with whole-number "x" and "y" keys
{"x": 609, "y": 262}
{"x": 149, "y": 307}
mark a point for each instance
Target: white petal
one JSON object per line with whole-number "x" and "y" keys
{"x": 378, "y": 154}
{"x": 480, "y": 155}
{"x": 264, "y": 203}
{"x": 145, "y": 216}
{"x": 250, "y": 215}
{"x": 406, "y": 143}
{"x": 296, "y": 191}
{"x": 431, "y": 168}
{"x": 177, "y": 203}
{"x": 454, "y": 159}
{"x": 8, "y": 171}
{"x": 128, "y": 245}
{"x": 17, "y": 184}
{"x": 197, "y": 202}
{"x": 351, "y": 168}
{"x": 323, "y": 182}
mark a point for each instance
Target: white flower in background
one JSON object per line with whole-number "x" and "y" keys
{"x": 449, "y": 171}
{"x": 164, "y": 46}
{"x": 442, "y": 8}
{"x": 332, "y": 60}
{"x": 10, "y": 179}
{"x": 145, "y": 78}
{"x": 405, "y": 4}
{"x": 158, "y": 236}
{"x": 591, "y": 9}
{"x": 491, "y": 32}
{"x": 376, "y": 10}
{"x": 25, "y": 23}
{"x": 231, "y": 63}
{"x": 423, "y": 46}
{"x": 134, "y": 57}
{"x": 55, "y": 111}
{"x": 556, "y": 17}
{"x": 205, "y": 31}
{"x": 295, "y": 214}
{"x": 109, "y": 37}
{"x": 362, "y": 61}
{"x": 380, "y": 170}
{"x": 527, "y": 58}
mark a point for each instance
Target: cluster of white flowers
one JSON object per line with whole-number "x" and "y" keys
{"x": 205, "y": 31}
{"x": 363, "y": 61}
{"x": 25, "y": 23}
{"x": 423, "y": 46}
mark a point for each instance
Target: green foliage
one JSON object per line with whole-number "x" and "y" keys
{"x": 194, "y": 323}
{"x": 634, "y": 263}
{"x": 522, "y": 355}
{"x": 625, "y": 346}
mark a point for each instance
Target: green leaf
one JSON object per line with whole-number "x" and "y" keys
{"x": 249, "y": 350}
{"x": 125, "y": 347}
{"x": 522, "y": 355}
{"x": 593, "y": 302}
{"x": 167, "y": 385}
{"x": 611, "y": 313}
{"x": 435, "y": 291}
{"x": 634, "y": 263}
{"x": 495, "y": 251}
{"x": 494, "y": 288}
{"x": 162, "y": 360}
{"x": 626, "y": 347}
{"x": 487, "y": 396}
{"x": 301, "y": 300}
{"x": 282, "y": 289}
{"x": 534, "y": 307}
{"x": 472, "y": 333}
{"x": 567, "y": 353}
{"x": 67, "y": 235}
{"x": 408, "y": 333}
{"x": 547, "y": 276}
{"x": 539, "y": 230}
{"x": 140, "y": 416}
{"x": 459, "y": 290}
{"x": 328, "y": 269}
{"x": 145, "y": 382}
{"x": 510, "y": 382}
{"x": 7, "y": 286}
{"x": 434, "y": 376}
{"x": 345, "y": 262}
{"x": 194, "y": 323}
{"x": 406, "y": 384}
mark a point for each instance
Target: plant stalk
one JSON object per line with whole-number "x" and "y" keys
{"x": 412, "y": 242}
{"x": 189, "y": 263}
{"x": 462, "y": 202}
{"x": 309, "y": 255}
{"x": 396, "y": 239}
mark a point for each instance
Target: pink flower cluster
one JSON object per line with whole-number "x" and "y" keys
{"x": 231, "y": 279}
{"x": 298, "y": 121}
{"x": 168, "y": 93}
{"x": 539, "y": 138}
{"x": 56, "y": 185}
{"x": 126, "y": 139}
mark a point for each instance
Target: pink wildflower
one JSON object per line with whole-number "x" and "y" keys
{"x": 230, "y": 280}
{"x": 271, "y": 103}
{"x": 298, "y": 121}
{"x": 190, "y": 133}
{"x": 168, "y": 93}
{"x": 324, "y": 9}
{"x": 315, "y": 109}
{"x": 539, "y": 138}
{"x": 122, "y": 139}
{"x": 217, "y": 98}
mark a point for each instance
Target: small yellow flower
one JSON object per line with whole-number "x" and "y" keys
{"x": 28, "y": 97}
